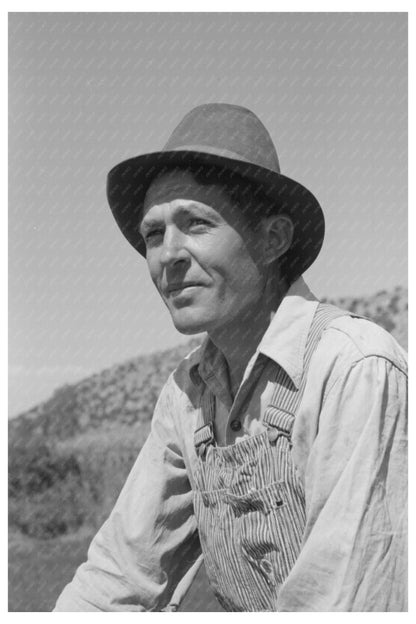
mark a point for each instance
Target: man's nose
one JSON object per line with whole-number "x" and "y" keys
{"x": 173, "y": 247}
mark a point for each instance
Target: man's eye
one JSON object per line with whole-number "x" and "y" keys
{"x": 198, "y": 221}
{"x": 152, "y": 234}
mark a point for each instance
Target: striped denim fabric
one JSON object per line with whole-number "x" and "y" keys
{"x": 249, "y": 500}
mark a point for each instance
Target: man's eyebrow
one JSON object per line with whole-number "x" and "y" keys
{"x": 148, "y": 223}
{"x": 190, "y": 209}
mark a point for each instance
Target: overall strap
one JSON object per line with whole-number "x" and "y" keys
{"x": 280, "y": 414}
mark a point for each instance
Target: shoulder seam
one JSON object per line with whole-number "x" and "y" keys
{"x": 352, "y": 365}
{"x": 350, "y": 338}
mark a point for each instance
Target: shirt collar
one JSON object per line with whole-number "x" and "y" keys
{"x": 284, "y": 341}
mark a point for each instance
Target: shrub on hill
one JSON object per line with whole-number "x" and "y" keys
{"x": 56, "y": 490}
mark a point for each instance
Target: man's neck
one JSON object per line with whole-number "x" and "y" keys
{"x": 239, "y": 342}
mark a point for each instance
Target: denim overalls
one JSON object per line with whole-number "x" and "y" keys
{"x": 249, "y": 500}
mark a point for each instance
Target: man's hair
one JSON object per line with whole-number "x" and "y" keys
{"x": 253, "y": 202}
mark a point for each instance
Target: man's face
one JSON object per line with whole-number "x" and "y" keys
{"x": 203, "y": 258}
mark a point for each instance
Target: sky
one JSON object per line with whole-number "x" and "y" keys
{"x": 88, "y": 90}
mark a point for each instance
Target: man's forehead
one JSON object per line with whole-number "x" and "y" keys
{"x": 172, "y": 185}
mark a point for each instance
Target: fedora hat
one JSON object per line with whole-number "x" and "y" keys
{"x": 230, "y": 138}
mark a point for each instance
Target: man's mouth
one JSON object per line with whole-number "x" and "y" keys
{"x": 179, "y": 288}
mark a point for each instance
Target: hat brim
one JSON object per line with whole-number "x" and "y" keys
{"x": 128, "y": 182}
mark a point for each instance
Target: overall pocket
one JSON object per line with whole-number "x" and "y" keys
{"x": 270, "y": 525}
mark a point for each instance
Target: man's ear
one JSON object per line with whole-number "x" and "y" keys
{"x": 278, "y": 236}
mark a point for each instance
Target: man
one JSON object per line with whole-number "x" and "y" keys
{"x": 278, "y": 448}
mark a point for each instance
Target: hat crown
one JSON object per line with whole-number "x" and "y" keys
{"x": 225, "y": 130}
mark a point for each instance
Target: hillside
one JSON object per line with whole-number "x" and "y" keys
{"x": 124, "y": 394}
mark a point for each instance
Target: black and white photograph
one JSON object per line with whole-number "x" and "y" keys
{"x": 207, "y": 311}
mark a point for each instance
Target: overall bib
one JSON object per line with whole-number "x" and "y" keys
{"x": 249, "y": 500}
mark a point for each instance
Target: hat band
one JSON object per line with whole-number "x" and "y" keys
{"x": 215, "y": 151}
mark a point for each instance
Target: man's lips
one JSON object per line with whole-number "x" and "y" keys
{"x": 179, "y": 287}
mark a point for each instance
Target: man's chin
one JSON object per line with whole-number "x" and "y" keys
{"x": 189, "y": 326}
{"x": 189, "y": 330}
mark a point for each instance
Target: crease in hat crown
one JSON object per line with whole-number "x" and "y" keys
{"x": 243, "y": 136}
{"x": 223, "y": 137}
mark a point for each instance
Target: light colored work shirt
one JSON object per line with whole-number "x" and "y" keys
{"x": 349, "y": 446}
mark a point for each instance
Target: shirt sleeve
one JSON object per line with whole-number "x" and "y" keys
{"x": 354, "y": 552}
{"x": 150, "y": 540}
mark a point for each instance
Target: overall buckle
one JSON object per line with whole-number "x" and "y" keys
{"x": 203, "y": 437}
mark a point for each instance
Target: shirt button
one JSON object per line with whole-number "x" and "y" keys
{"x": 235, "y": 425}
